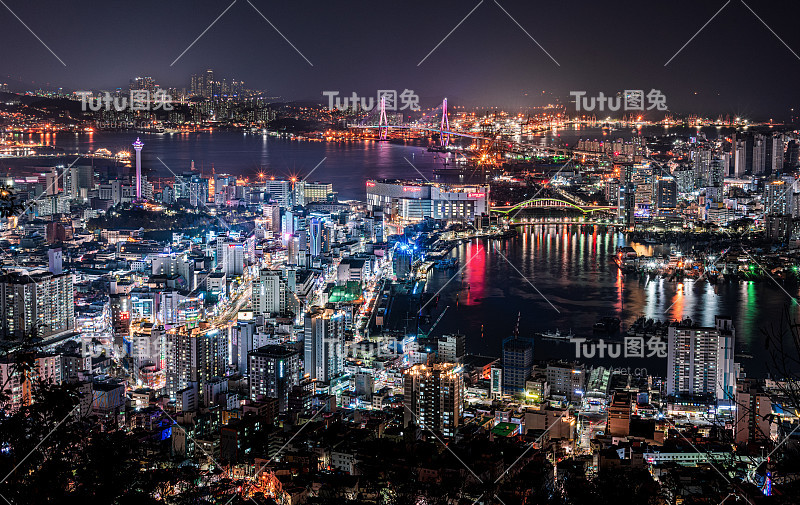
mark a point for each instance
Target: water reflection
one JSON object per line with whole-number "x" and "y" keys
{"x": 573, "y": 268}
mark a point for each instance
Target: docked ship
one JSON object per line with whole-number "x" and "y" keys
{"x": 556, "y": 335}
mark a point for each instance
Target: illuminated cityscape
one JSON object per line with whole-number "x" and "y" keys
{"x": 558, "y": 264}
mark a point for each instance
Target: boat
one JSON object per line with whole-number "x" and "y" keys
{"x": 556, "y": 335}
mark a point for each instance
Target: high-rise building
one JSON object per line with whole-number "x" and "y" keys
{"x": 700, "y": 360}
{"x": 315, "y": 236}
{"x": 792, "y": 155}
{"x": 411, "y": 201}
{"x": 230, "y": 256}
{"x": 280, "y": 191}
{"x": 40, "y": 302}
{"x": 195, "y": 356}
{"x": 452, "y": 348}
{"x": 242, "y": 342}
{"x": 275, "y": 292}
{"x": 619, "y": 414}
{"x": 753, "y": 407}
{"x": 324, "y": 344}
{"x": 701, "y": 160}
{"x": 517, "y": 364}
{"x": 435, "y": 395}
{"x": 716, "y": 172}
{"x": 137, "y": 146}
{"x": 272, "y": 216}
{"x": 666, "y": 194}
{"x": 312, "y": 192}
{"x": 778, "y": 196}
{"x": 273, "y": 370}
{"x": 740, "y": 158}
{"x": 567, "y": 379}
{"x": 204, "y": 84}
{"x": 145, "y": 83}
{"x": 774, "y": 154}
{"x": 192, "y": 187}
{"x": 121, "y": 310}
{"x": 79, "y": 180}
{"x": 759, "y": 154}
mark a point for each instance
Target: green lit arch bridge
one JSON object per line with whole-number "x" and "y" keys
{"x": 554, "y": 204}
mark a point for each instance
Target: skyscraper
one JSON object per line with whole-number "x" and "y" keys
{"x": 700, "y": 360}
{"x": 666, "y": 193}
{"x": 137, "y": 146}
{"x": 434, "y": 394}
{"x": 452, "y": 348}
{"x": 195, "y": 356}
{"x": 324, "y": 344}
{"x": 41, "y": 302}
{"x": 315, "y": 237}
{"x": 759, "y": 154}
{"x": 517, "y": 363}
{"x": 273, "y": 371}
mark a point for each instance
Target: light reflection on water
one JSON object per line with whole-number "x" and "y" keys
{"x": 572, "y": 266}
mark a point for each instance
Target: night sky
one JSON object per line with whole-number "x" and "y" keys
{"x": 734, "y": 66}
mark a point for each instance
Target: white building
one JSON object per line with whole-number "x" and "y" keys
{"x": 700, "y": 360}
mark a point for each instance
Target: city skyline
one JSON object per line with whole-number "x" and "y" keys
{"x": 483, "y": 253}
{"x": 720, "y": 71}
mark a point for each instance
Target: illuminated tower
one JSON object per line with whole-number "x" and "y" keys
{"x": 138, "y": 145}
{"x": 383, "y": 120}
{"x": 444, "y": 141}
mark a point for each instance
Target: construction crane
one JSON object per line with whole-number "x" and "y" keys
{"x": 426, "y": 335}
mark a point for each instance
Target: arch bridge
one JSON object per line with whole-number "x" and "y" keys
{"x": 553, "y": 203}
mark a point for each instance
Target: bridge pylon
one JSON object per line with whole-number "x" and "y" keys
{"x": 444, "y": 138}
{"x": 383, "y": 122}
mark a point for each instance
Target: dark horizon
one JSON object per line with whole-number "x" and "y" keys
{"x": 733, "y": 66}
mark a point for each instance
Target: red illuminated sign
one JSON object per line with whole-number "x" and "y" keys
{"x": 411, "y": 188}
{"x": 370, "y": 184}
{"x": 476, "y": 195}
